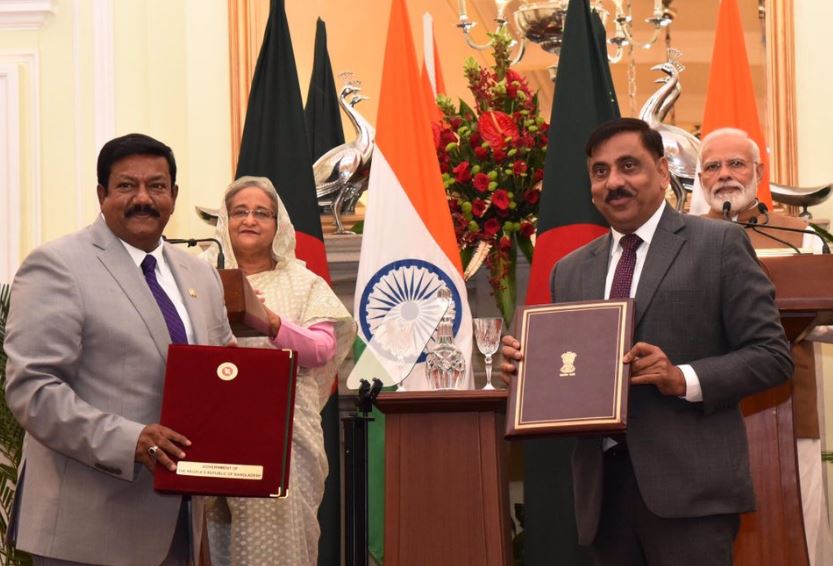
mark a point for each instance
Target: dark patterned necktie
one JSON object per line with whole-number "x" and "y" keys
{"x": 623, "y": 276}
{"x": 175, "y": 326}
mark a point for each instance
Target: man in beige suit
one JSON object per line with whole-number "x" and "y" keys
{"x": 92, "y": 315}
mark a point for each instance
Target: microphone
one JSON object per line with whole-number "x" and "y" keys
{"x": 763, "y": 210}
{"x": 727, "y": 207}
{"x": 191, "y": 242}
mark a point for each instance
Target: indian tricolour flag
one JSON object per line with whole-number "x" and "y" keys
{"x": 409, "y": 250}
{"x": 408, "y": 245}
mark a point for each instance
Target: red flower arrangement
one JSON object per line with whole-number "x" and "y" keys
{"x": 492, "y": 160}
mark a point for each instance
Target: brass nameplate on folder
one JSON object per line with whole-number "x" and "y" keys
{"x": 209, "y": 470}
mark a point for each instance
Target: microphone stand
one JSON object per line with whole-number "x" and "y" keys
{"x": 191, "y": 242}
{"x": 355, "y": 476}
{"x": 755, "y": 227}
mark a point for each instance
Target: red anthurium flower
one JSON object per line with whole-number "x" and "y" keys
{"x": 500, "y": 199}
{"x": 496, "y": 127}
{"x": 481, "y": 182}
{"x": 461, "y": 172}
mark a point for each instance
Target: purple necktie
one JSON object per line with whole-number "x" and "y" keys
{"x": 175, "y": 326}
{"x": 623, "y": 276}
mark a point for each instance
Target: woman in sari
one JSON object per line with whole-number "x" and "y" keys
{"x": 305, "y": 315}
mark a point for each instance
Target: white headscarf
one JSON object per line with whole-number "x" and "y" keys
{"x": 304, "y": 297}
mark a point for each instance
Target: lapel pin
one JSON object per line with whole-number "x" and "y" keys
{"x": 192, "y": 292}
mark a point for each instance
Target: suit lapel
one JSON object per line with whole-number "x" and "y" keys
{"x": 187, "y": 289}
{"x": 118, "y": 263}
{"x": 593, "y": 288}
{"x": 665, "y": 246}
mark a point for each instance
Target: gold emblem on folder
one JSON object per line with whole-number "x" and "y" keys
{"x": 569, "y": 368}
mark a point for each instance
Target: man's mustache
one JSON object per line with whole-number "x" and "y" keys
{"x": 618, "y": 193}
{"x": 141, "y": 209}
{"x": 728, "y": 185}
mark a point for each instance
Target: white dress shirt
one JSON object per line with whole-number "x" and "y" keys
{"x": 166, "y": 280}
{"x": 694, "y": 392}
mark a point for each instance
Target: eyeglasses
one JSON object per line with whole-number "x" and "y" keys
{"x": 259, "y": 214}
{"x": 736, "y": 165}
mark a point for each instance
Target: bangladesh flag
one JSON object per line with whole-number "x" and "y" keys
{"x": 324, "y": 131}
{"x": 567, "y": 219}
{"x": 274, "y": 142}
{"x": 323, "y": 114}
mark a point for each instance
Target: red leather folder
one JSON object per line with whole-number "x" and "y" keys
{"x": 235, "y": 405}
{"x": 571, "y": 380}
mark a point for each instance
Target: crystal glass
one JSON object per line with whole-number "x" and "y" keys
{"x": 487, "y": 336}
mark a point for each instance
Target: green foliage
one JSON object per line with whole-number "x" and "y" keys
{"x": 11, "y": 446}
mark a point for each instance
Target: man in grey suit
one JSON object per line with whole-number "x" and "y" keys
{"x": 92, "y": 315}
{"x": 669, "y": 493}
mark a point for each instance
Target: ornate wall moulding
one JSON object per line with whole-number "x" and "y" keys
{"x": 20, "y": 157}
{"x": 25, "y": 14}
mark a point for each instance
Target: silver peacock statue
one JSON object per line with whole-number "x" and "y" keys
{"x": 681, "y": 147}
{"x": 341, "y": 173}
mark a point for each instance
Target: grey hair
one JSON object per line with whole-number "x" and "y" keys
{"x": 723, "y": 132}
{"x": 262, "y": 183}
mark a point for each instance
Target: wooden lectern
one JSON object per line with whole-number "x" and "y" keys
{"x": 245, "y": 311}
{"x": 446, "y": 492}
{"x": 774, "y": 533}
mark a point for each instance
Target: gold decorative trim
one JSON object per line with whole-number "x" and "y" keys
{"x": 781, "y": 106}
{"x": 247, "y": 22}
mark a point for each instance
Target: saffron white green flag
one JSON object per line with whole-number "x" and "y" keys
{"x": 408, "y": 244}
{"x": 409, "y": 250}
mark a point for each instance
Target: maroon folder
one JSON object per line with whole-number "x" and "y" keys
{"x": 572, "y": 379}
{"x": 235, "y": 405}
